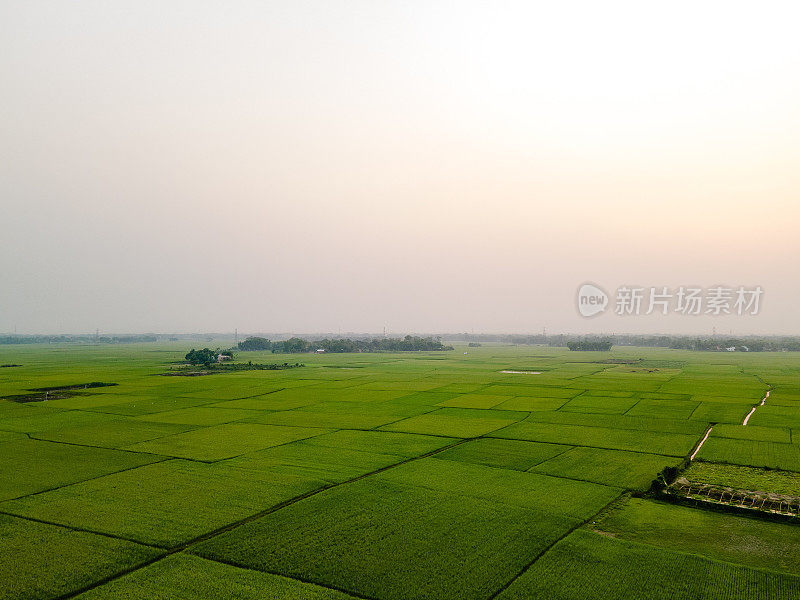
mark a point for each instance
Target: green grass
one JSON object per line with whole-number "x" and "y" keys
{"x": 626, "y": 422}
{"x": 532, "y": 391}
{"x": 280, "y": 400}
{"x": 554, "y": 495}
{"x": 112, "y": 434}
{"x": 655, "y": 407}
{"x": 610, "y": 394}
{"x": 388, "y": 540}
{"x": 722, "y": 412}
{"x": 36, "y": 419}
{"x": 405, "y": 445}
{"x": 753, "y": 453}
{"x": 187, "y": 577}
{"x": 752, "y": 432}
{"x": 720, "y": 536}
{"x": 588, "y": 565}
{"x": 163, "y": 504}
{"x": 199, "y": 415}
{"x": 785, "y": 396}
{"x": 528, "y": 403}
{"x": 456, "y": 422}
{"x": 148, "y": 405}
{"x": 744, "y": 478}
{"x": 325, "y": 464}
{"x": 11, "y": 435}
{"x": 31, "y": 466}
{"x": 419, "y": 399}
{"x": 459, "y": 388}
{"x": 610, "y": 405}
{"x": 508, "y": 390}
{"x": 631, "y": 470}
{"x": 506, "y": 454}
{"x": 671, "y": 444}
{"x": 45, "y": 561}
{"x": 777, "y": 416}
{"x": 664, "y": 396}
{"x": 224, "y": 441}
{"x": 353, "y": 415}
{"x": 474, "y": 401}
{"x": 93, "y": 400}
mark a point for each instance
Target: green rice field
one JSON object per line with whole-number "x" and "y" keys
{"x": 418, "y": 475}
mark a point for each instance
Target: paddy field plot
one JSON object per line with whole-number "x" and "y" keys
{"x": 392, "y": 476}
{"x": 670, "y": 444}
{"x": 781, "y": 435}
{"x": 46, "y": 561}
{"x": 456, "y": 422}
{"x": 163, "y": 504}
{"x": 116, "y": 433}
{"x": 458, "y": 531}
{"x": 589, "y": 565}
{"x": 775, "y": 415}
{"x": 744, "y": 478}
{"x": 32, "y": 466}
{"x": 224, "y": 441}
{"x": 506, "y": 454}
{"x": 630, "y": 470}
{"x": 187, "y": 577}
{"x": 722, "y": 412}
{"x": 755, "y": 453}
{"x": 721, "y": 536}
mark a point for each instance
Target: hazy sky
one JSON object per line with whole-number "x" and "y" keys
{"x": 425, "y": 166}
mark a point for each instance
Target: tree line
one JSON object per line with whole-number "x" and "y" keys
{"x": 297, "y": 345}
{"x": 715, "y": 343}
{"x": 83, "y": 339}
{"x": 712, "y": 343}
{"x": 601, "y": 345}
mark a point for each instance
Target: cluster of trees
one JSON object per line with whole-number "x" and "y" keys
{"x": 590, "y": 344}
{"x": 297, "y": 345}
{"x": 255, "y": 343}
{"x": 206, "y": 356}
{"x": 291, "y": 346}
{"x": 506, "y": 338}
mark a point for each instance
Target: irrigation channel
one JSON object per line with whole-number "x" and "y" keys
{"x": 750, "y": 414}
{"x": 700, "y": 445}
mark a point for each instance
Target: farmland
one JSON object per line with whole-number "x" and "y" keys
{"x": 393, "y": 475}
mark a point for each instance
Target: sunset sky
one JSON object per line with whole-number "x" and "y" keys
{"x": 305, "y": 166}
